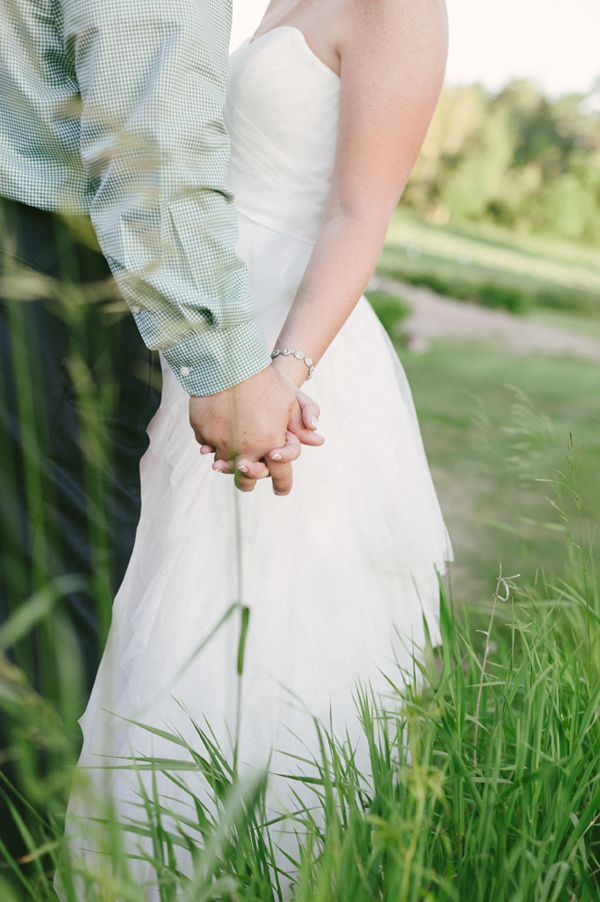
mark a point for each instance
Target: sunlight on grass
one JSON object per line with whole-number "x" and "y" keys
{"x": 462, "y": 258}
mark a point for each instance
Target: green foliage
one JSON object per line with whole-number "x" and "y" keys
{"x": 512, "y": 299}
{"x": 517, "y": 159}
{"x": 391, "y": 310}
{"x": 492, "y": 266}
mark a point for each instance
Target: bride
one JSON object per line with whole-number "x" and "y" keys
{"x": 251, "y": 613}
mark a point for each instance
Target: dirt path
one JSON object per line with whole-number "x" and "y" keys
{"x": 435, "y": 316}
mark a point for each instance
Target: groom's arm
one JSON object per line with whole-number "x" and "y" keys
{"x": 152, "y": 79}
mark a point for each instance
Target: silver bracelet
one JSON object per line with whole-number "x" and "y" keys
{"x": 299, "y": 356}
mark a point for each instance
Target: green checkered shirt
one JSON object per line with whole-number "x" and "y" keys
{"x": 113, "y": 108}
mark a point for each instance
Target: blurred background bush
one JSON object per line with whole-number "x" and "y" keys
{"x": 516, "y": 158}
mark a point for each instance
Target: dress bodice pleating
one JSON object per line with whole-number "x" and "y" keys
{"x": 282, "y": 116}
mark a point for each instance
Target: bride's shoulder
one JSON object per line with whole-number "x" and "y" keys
{"x": 390, "y": 22}
{"x": 388, "y": 28}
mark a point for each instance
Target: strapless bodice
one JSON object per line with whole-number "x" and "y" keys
{"x": 282, "y": 116}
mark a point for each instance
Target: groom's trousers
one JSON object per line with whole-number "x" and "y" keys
{"x": 77, "y": 390}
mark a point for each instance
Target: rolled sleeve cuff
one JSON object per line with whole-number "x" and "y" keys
{"x": 212, "y": 361}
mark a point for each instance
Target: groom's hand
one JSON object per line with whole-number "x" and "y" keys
{"x": 248, "y": 421}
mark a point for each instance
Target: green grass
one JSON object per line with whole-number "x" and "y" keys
{"x": 493, "y": 425}
{"x": 483, "y": 783}
{"x": 492, "y": 265}
{"x": 567, "y": 322}
{"x": 390, "y": 309}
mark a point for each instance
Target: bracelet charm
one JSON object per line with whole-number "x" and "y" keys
{"x": 285, "y": 352}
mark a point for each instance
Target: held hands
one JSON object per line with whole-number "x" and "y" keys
{"x": 260, "y": 424}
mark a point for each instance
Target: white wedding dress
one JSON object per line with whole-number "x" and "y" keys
{"x": 338, "y": 575}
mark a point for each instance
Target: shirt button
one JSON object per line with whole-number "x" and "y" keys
{"x": 184, "y": 370}
{"x": 136, "y": 310}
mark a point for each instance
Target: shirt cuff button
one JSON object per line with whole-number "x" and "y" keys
{"x": 184, "y": 370}
{"x": 135, "y": 310}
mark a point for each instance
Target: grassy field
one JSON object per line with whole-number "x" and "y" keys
{"x": 560, "y": 319}
{"x": 494, "y": 425}
{"x": 471, "y": 261}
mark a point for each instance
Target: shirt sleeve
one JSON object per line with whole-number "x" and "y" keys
{"x": 152, "y": 76}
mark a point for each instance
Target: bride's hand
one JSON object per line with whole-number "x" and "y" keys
{"x": 302, "y": 429}
{"x": 305, "y": 418}
{"x": 276, "y": 465}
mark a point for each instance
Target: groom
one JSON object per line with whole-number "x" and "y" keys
{"x": 111, "y": 114}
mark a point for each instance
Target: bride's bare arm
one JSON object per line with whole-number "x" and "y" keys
{"x": 392, "y": 61}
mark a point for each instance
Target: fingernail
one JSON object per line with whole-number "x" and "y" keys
{"x": 314, "y": 421}
{"x": 280, "y": 493}
{"x": 275, "y": 456}
{"x": 243, "y": 469}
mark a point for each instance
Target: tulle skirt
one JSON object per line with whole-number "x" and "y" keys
{"x": 253, "y": 614}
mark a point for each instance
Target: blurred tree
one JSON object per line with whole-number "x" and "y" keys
{"x": 516, "y": 158}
